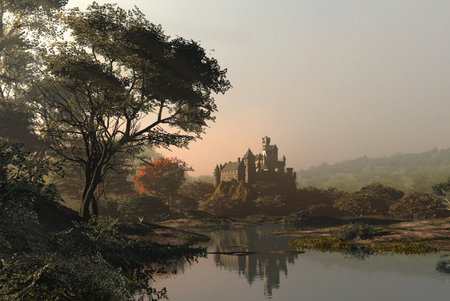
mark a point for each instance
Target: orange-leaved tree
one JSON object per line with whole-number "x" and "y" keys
{"x": 163, "y": 178}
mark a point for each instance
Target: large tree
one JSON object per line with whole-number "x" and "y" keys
{"x": 24, "y": 24}
{"x": 25, "y": 27}
{"x": 121, "y": 84}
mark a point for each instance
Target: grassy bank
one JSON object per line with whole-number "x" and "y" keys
{"x": 401, "y": 237}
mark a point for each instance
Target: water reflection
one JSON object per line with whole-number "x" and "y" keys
{"x": 268, "y": 262}
{"x": 312, "y": 276}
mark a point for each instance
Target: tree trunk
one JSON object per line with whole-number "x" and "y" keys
{"x": 88, "y": 207}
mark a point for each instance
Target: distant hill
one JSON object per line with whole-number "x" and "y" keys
{"x": 407, "y": 172}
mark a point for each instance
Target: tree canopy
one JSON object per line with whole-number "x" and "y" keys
{"x": 24, "y": 26}
{"x": 119, "y": 85}
{"x": 163, "y": 177}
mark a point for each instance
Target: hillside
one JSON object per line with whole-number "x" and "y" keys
{"x": 407, "y": 172}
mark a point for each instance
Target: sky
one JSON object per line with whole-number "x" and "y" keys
{"x": 327, "y": 80}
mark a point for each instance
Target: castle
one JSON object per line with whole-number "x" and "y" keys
{"x": 256, "y": 168}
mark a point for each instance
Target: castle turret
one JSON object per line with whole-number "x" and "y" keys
{"x": 265, "y": 142}
{"x": 250, "y": 168}
{"x": 216, "y": 176}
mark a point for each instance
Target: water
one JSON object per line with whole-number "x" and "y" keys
{"x": 308, "y": 276}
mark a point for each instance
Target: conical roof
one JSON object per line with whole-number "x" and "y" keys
{"x": 248, "y": 155}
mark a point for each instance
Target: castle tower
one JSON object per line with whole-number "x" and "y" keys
{"x": 250, "y": 168}
{"x": 265, "y": 142}
{"x": 216, "y": 176}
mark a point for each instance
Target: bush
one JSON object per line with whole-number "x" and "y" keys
{"x": 225, "y": 207}
{"x": 22, "y": 190}
{"x": 186, "y": 203}
{"x": 356, "y": 231}
{"x": 324, "y": 210}
{"x": 146, "y": 206}
{"x": 303, "y": 219}
{"x": 416, "y": 205}
{"x": 271, "y": 205}
{"x": 55, "y": 277}
{"x": 381, "y": 197}
{"x": 371, "y": 199}
{"x": 354, "y": 203}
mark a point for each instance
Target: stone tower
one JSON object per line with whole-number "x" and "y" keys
{"x": 250, "y": 168}
{"x": 216, "y": 176}
{"x": 265, "y": 142}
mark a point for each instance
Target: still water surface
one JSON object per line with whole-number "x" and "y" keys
{"x": 309, "y": 276}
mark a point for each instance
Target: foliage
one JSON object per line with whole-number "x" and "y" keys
{"x": 416, "y": 205}
{"x": 196, "y": 192}
{"x": 186, "y": 203}
{"x": 405, "y": 172}
{"x": 231, "y": 199}
{"x": 356, "y": 204}
{"x": 91, "y": 261}
{"x": 298, "y": 219}
{"x": 324, "y": 244}
{"x": 25, "y": 26}
{"x": 19, "y": 178}
{"x": 323, "y": 210}
{"x": 117, "y": 184}
{"x": 235, "y": 190}
{"x": 22, "y": 188}
{"x": 356, "y": 231}
{"x": 335, "y": 244}
{"x": 118, "y": 69}
{"x": 381, "y": 197}
{"x": 313, "y": 196}
{"x": 193, "y": 193}
{"x": 142, "y": 206}
{"x": 163, "y": 177}
{"x": 271, "y": 205}
{"x": 371, "y": 199}
{"x": 303, "y": 219}
{"x": 402, "y": 247}
{"x": 442, "y": 190}
{"x": 226, "y": 207}
{"x": 55, "y": 277}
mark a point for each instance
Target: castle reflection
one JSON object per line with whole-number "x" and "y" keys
{"x": 268, "y": 263}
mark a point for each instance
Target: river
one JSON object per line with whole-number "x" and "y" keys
{"x": 272, "y": 273}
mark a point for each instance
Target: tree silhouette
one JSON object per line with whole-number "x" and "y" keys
{"x": 121, "y": 85}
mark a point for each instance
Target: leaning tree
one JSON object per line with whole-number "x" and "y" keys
{"x": 118, "y": 85}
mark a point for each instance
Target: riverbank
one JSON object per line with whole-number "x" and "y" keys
{"x": 433, "y": 232}
{"x": 160, "y": 234}
{"x": 205, "y": 224}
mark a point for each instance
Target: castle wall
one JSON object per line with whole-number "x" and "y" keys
{"x": 271, "y": 169}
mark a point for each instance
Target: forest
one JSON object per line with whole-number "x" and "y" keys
{"x": 406, "y": 172}
{"x": 89, "y": 210}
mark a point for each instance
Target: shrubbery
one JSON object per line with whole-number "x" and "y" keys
{"x": 271, "y": 205}
{"x": 88, "y": 261}
{"x": 416, "y": 205}
{"x": 231, "y": 199}
{"x": 356, "y": 231}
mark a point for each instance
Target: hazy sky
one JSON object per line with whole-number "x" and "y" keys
{"x": 327, "y": 80}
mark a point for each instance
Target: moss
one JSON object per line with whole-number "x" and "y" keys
{"x": 324, "y": 244}
{"x": 334, "y": 244}
{"x": 402, "y": 247}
